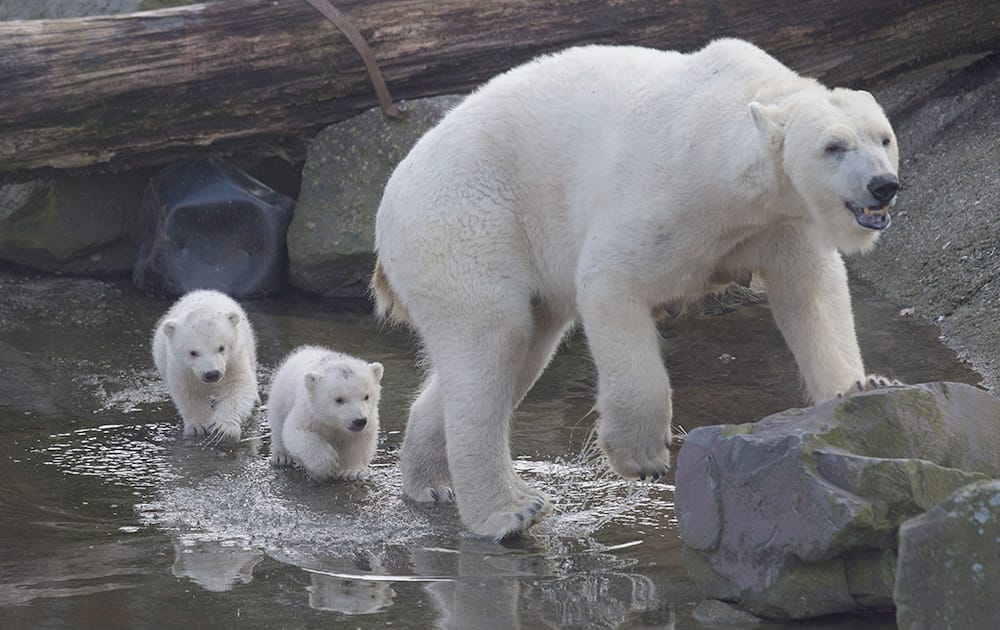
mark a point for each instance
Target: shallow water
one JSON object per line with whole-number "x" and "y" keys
{"x": 109, "y": 518}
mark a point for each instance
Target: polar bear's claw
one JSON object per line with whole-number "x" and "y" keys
{"x": 870, "y": 382}
{"x": 518, "y": 518}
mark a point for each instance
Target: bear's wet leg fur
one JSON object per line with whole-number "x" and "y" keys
{"x": 478, "y": 364}
{"x": 423, "y": 460}
{"x": 811, "y": 303}
{"x": 633, "y": 390}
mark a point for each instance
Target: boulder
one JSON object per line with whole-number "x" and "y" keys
{"x": 797, "y": 515}
{"x": 332, "y": 236}
{"x": 77, "y": 225}
{"x": 206, "y": 224}
{"x": 949, "y": 563}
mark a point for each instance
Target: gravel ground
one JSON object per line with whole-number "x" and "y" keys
{"x": 941, "y": 255}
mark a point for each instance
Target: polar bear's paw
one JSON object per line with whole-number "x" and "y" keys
{"x": 282, "y": 461}
{"x": 195, "y": 430}
{"x": 439, "y": 493}
{"x": 354, "y": 474}
{"x": 223, "y": 433}
{"x": 870, "y": 382}
{"x": 511, "y": 519}
{"x": 650, "y": 460}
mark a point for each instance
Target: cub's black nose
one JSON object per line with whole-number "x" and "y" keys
{"x": 884, "y": 187}
{"x": 359, "y": 423}
{"x": 211, "y": 376}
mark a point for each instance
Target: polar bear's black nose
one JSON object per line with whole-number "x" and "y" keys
{"x": 359, "y": 423}
{"x": 211, "y": 376}
{"x": 884, "y": 187}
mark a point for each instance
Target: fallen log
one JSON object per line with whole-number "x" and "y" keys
{"x": 113, "y": 92}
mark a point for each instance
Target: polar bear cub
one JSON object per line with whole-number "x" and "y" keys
{"x": 323, "y": 412}
{"x": 206, "y": 353}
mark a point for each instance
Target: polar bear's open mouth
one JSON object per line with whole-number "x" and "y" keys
{"x": 871, "y": 218}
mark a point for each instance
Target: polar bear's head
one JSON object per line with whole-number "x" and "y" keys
{"x": 840, "y": 154}
{"x": 204, "y": 341}
{"x": 345, "y": 393}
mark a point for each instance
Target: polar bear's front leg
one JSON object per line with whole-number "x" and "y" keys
{"x": 314, "y": 454}
{"x": 230, "y": 409}
{"x": 633, "y": 388}
{"x": 809, "y": 297}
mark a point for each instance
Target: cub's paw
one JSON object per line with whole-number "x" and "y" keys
{"x": 511, "y": 519}
{"x": 646, "y": 461}
{"x": 321, "y": 465}
{"x": 195, "y": 430}
{"x": 356, "y": 474}
{"x": 223, "y": 433}
{"x": 870, "y": 382}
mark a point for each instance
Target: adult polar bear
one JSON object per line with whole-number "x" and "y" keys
{"x": 596, "y": 184}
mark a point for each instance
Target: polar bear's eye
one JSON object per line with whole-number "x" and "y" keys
{"x": 222, "y": 348}
{"x": 886, "y": 141}
{"x": 339, "y": 400}
{"x": 835, "y": 148}
{"x": 366, "y": 396}
{"x": 194, "y": 353}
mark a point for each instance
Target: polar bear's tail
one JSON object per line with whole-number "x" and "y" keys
{"x": 387, "y": 304}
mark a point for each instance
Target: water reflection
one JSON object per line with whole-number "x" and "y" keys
{"x": 215, "y": 566}
{"x": 110, "y": 518}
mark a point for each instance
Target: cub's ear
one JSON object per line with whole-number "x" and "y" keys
{"x": 377, "y": 370}
{"x": 311, "y": 379}
{"x": 234, "y": 318}
{"x": 169, "y": 328}
{"x": 768, "y": 119}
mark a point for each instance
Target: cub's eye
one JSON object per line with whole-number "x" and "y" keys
{"x": 886, "y": 141}
{"x": 194, "y": 353}
{"x": 835, "y": 148}
{"x": 222, "y": 348}
{"x": 339, "y": 400}
{"x": 366, "y": 396}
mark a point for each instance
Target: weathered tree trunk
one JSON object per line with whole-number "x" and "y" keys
{"x": 140, "y": 89}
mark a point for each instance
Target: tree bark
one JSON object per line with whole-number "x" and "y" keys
{"x": 107, "y": 93}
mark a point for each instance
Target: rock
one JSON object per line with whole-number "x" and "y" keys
{"x": 714, "y": 612}
{"x": 796, "y": 515}
{"x": 206, "y": 224}
{"x": 949, "y": 563}
{"x": 77, "y": 225}
{"x": 331, "y": 238}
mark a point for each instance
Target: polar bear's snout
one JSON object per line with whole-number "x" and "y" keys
{"x": 884, "y": 187}
{"x": 211, "y": 376}
{"x": 358, "y": 424}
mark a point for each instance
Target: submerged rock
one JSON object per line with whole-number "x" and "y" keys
{"x": 949, "y": 563}
{"x": 797, "y": 515}
{"x": 332, "y": 236}
{"x": 206, "y": 224}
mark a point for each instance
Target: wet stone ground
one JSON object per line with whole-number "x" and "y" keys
{"x": 108, "y": 518}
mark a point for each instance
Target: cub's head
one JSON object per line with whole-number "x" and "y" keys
{"x": 204, "y": 342}
{"x": 840, "y": 154}
{"x": 346, "y": 392}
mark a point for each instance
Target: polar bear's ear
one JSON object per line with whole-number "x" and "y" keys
{"x": 377, "y": 370}
{"x": 767, "y": 118}
{"x": 170, "y": 327}
{"x": 311, "y": 379}
{"x": 234, "y": 318}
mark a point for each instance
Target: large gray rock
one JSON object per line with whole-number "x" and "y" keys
{"x": 82, "y": 225}
{"x": 796, "y": 515}
{"x": 331, "y": 238}
{"x": 948, "y": 573}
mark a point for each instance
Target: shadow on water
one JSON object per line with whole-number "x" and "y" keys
{"x": 111, "y": 519}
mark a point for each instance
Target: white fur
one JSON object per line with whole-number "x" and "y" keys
{"x": 316, "y": 396}
{"x": 594, "y": 185}
{"x": 204, "y": 332}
